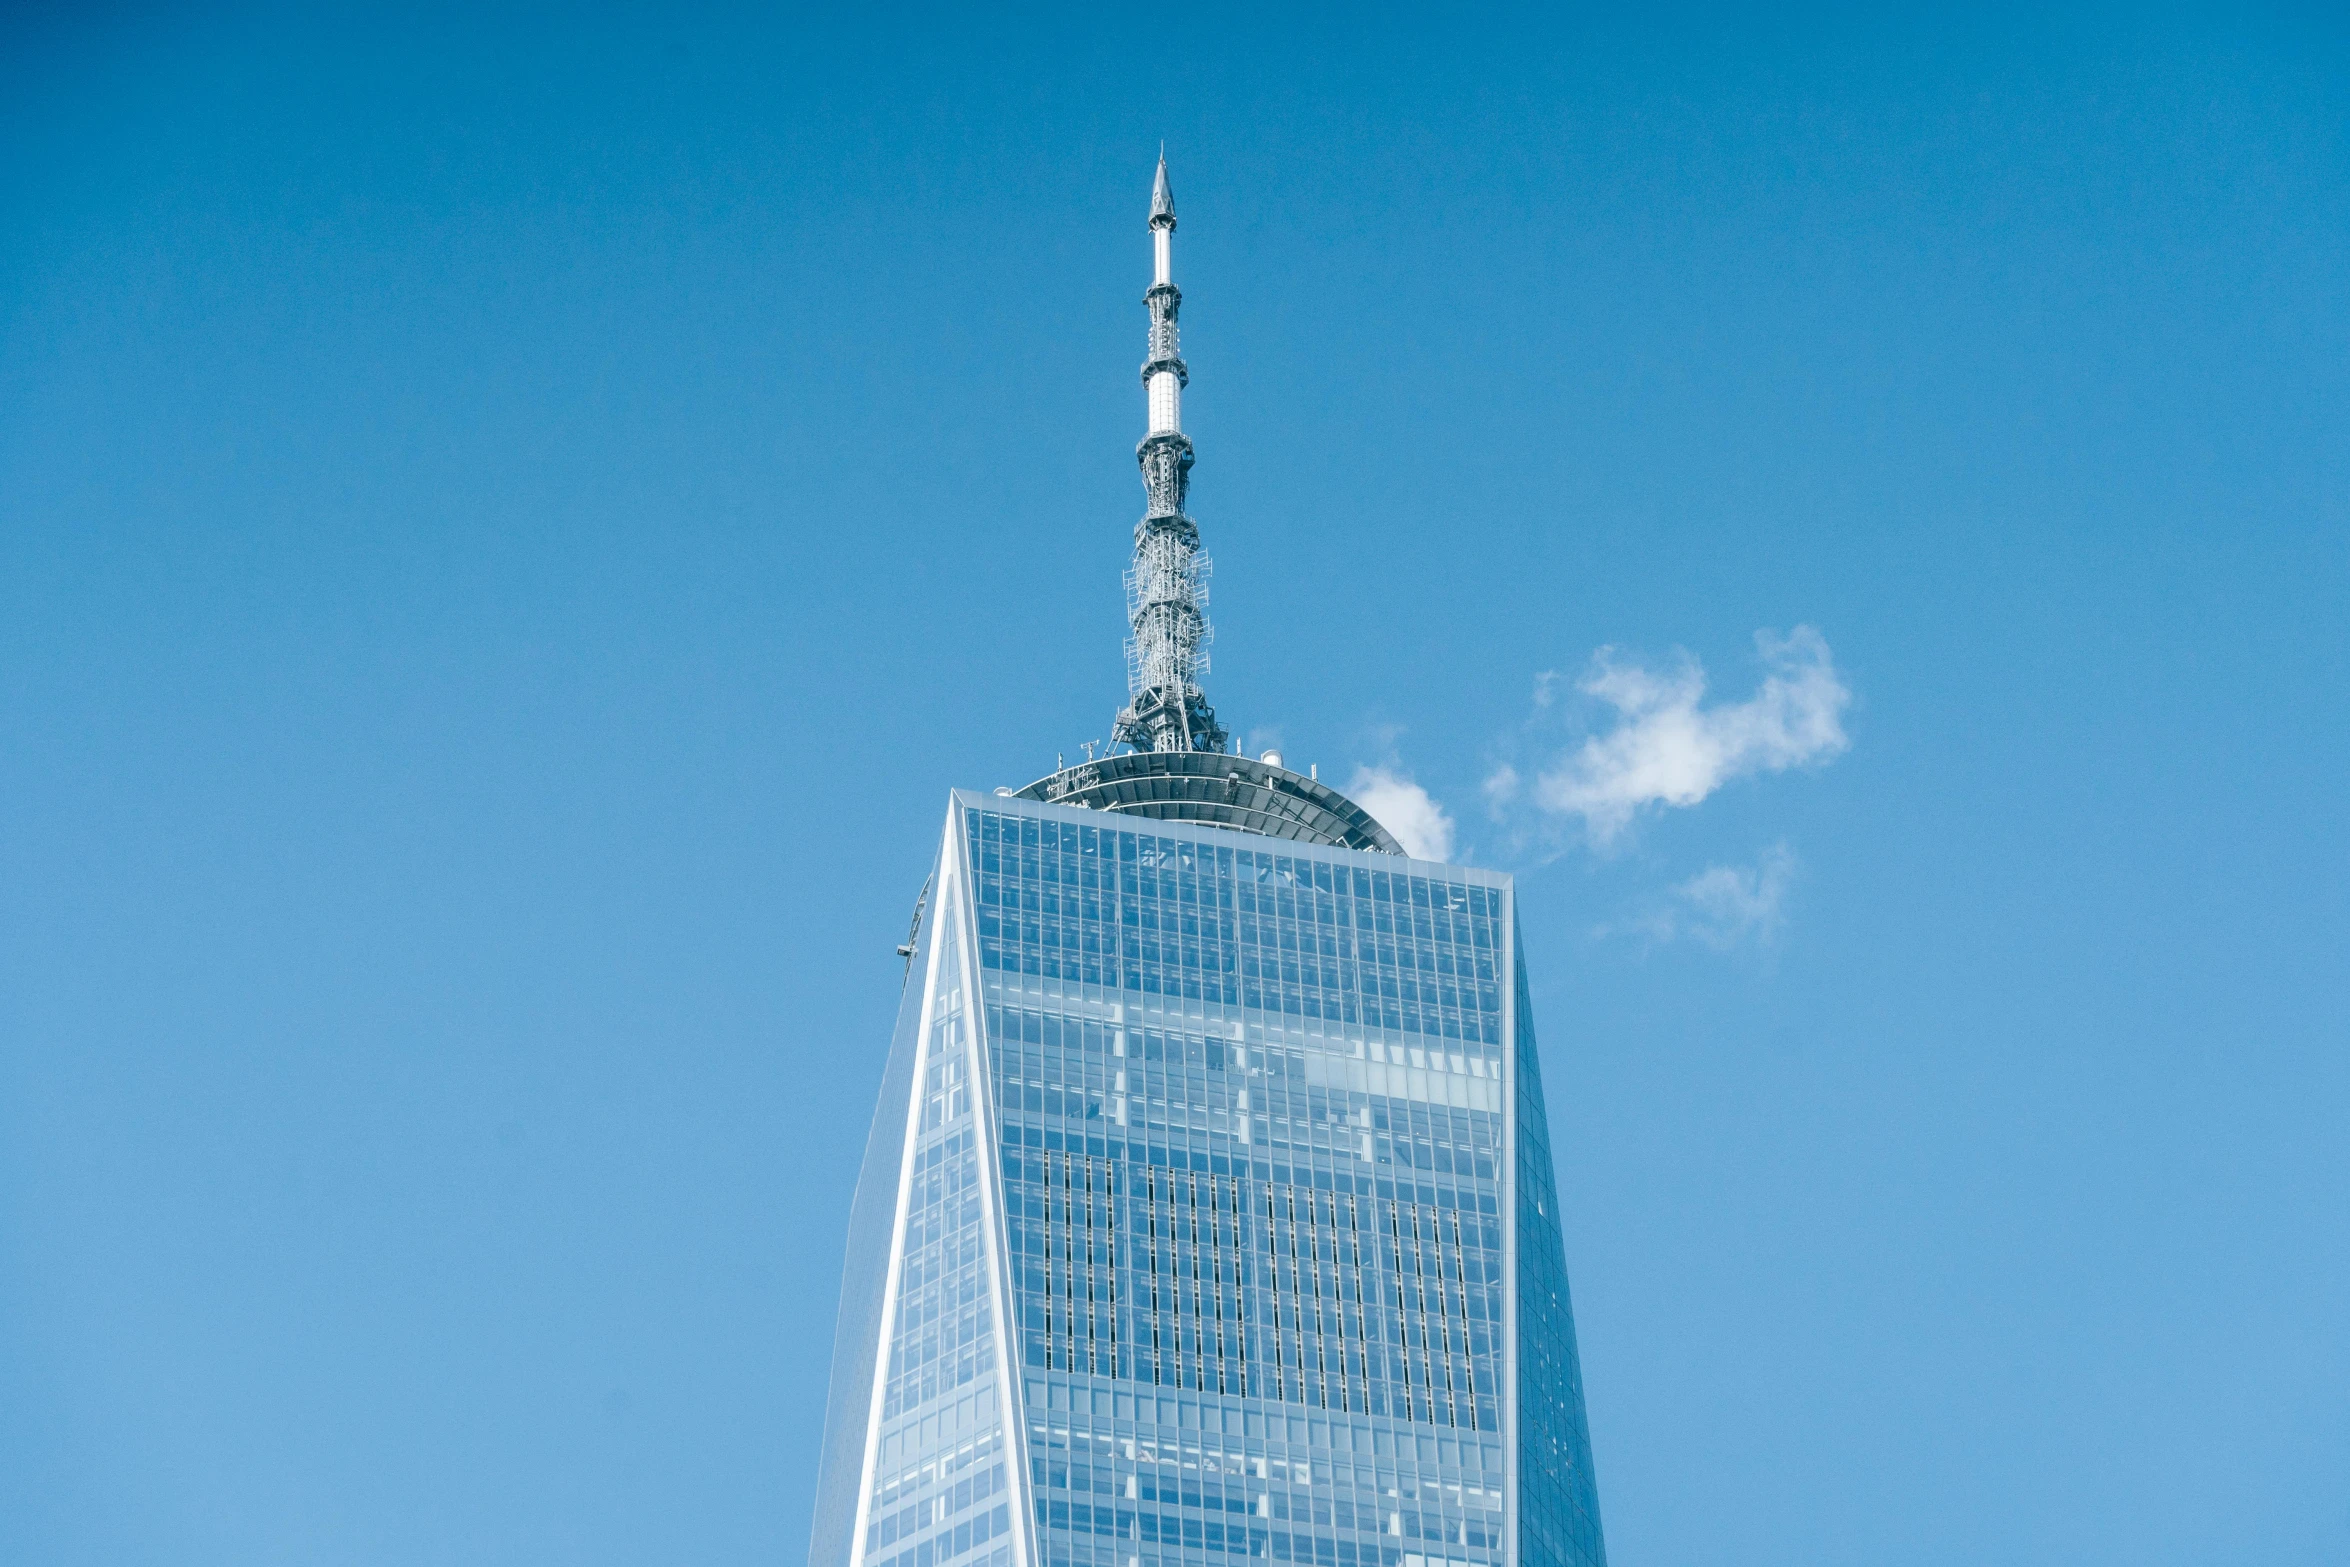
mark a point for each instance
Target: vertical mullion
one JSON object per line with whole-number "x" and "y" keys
{"x": 1158, "y": 1344}
{"x": 1452, "y": 1393}
{"x": 1468, "y": 1344}
{"x": 1321, "y": 1318}
{"x": 1273, "y": 1295}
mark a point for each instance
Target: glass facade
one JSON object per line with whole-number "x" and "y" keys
{"x": 1214, "y": 1209}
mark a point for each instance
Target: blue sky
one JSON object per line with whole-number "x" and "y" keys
{"x": 511, "y": 523}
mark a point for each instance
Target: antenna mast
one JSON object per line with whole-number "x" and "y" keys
{"x": 1166, "y": 587}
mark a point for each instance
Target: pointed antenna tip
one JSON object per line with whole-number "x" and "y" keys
{"x": 1162, "y": 194}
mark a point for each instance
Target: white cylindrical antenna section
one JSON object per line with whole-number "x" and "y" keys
{"x": 1163, "y": 249}
{"x": 1166, "y": 403}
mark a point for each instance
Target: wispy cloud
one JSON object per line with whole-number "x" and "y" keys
{"x": 1728, "y": 905}
{"x": 1404, "y": 809}
{"x": 1667, "y": 748}
{"x": 1722, "y": 906}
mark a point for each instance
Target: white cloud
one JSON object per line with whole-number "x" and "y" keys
{"x": 1730, "y": 904}
{"x": 1723, "y": 906}
{"x": 1404, "y": 809}
{"x": 1667, "y": 749}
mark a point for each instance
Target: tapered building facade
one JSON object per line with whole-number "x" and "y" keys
{"x": 1208, "y": 1212}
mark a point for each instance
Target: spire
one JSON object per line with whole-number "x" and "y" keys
{"x": 1166, "y": 587}
{"x": 1162, "y": 197}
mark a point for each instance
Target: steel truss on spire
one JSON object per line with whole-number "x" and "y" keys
{"x": 1166, "y": 586}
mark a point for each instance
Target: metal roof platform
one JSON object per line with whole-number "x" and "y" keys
{"x": 1216, "y": 790}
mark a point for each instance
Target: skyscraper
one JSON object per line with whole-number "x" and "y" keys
{"x": 1208, "y": 1213}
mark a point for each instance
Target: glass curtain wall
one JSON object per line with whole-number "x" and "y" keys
{"x": 1558, "y": 1501}
{"x": 1247, "y": 1110}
